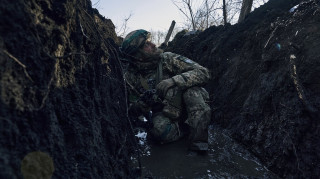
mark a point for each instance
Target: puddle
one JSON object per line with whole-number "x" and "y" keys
{"x": 225, "y": 159}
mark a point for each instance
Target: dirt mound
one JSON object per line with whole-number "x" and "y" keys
{"x": 61, "y": 91}
{"x": 265, "y": 82}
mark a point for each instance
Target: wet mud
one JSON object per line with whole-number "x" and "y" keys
{"x": 224, "y": 159}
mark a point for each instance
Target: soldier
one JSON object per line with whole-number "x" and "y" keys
{"x": 166, "y": 88}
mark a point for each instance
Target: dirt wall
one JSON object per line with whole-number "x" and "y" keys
{"x": 265, "y": 82}
{"x": 62, "y": 96}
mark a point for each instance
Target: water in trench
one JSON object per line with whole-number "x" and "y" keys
{"x": 225, "y": 159}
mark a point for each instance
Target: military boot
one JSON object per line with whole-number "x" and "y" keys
{"x": 199, "y": 139}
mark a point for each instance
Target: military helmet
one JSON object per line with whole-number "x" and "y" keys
{"x": 134, "y": 40}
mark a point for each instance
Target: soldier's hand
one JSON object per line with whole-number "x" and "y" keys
{"x": 163, "y": 45}
{"x": 163, "y": 86}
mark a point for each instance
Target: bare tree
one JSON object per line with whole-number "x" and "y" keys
{"x": 245, "y": 9}
{"x": 207, "y": 15}
{"x": 95, "y": 4}
{"x": 186, "y": 7}
{"x": 202, "y": 14}
{"x": 188, "y": 2}
{"x": 199, "y": 14}
{"x": 157, "y": 37}
{"x": 224, "y": 7}
{"x": 124, "y": 26}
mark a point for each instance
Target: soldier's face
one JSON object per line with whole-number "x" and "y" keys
{"x": 149, "y": 47}
{"x": 148, "y": 52}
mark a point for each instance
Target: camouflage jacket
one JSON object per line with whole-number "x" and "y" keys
{"x": 184, "y": 72}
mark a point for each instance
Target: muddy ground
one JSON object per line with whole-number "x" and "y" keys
{"x": 63, "y": 96}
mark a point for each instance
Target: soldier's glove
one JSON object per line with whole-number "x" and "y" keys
{"x": 163, "y": 45}
{"x": 163, "y": 86}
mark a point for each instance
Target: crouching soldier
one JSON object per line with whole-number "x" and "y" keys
{"x": 166, "y": 88}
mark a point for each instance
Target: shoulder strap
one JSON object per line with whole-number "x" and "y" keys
{"x": 159, "y": 71}
{"x": 144, "y": 83}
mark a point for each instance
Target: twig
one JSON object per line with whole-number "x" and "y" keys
{"x": 46, "y": 95}
{"x": 14, "y": 58}
{"x": 299, "y": 87}
{"x": 21, "y": 64}
{"x": 295, "y": 152}
{"x": 272, "y": 34}
{"x": 83, "y": 32}
{"x": 65, "y": 56}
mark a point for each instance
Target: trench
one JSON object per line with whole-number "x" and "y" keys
{"x": 225, "y": 159}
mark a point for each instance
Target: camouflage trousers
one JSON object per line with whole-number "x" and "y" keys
{"x": 166, "y": 129}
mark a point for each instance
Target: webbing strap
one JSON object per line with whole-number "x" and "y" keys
{"x": 159, "y": 71}
{"x": 144, "y": 83}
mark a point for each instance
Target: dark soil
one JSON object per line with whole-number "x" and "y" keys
{"x": 62, "y": 90}
{"x": 265, "y": 86}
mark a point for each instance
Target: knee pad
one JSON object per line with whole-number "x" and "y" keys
{"x": 164, "y": 130}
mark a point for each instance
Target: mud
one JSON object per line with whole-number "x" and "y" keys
{"x": 224, "y": 159}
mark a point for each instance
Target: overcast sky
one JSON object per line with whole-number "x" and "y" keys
{"x": 146, "y": 14}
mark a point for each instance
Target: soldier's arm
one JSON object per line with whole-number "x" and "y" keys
{"x": 187, "y": 72}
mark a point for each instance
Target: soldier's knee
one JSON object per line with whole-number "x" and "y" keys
{"x": 196, "y": 98}
{"x": 196, "y": 91}
{"x": 164, "y": 130}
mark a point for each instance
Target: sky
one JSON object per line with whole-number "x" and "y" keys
{"x": 146, "y": 14}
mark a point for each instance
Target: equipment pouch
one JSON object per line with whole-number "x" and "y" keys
{"x": 172, "y": 103}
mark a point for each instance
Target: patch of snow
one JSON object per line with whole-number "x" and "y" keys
{"x": 191, "y": 32}
{"x": 293, "y": 8}
{"x": 292, "y": 56}
{"x": 141, "y": 135}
